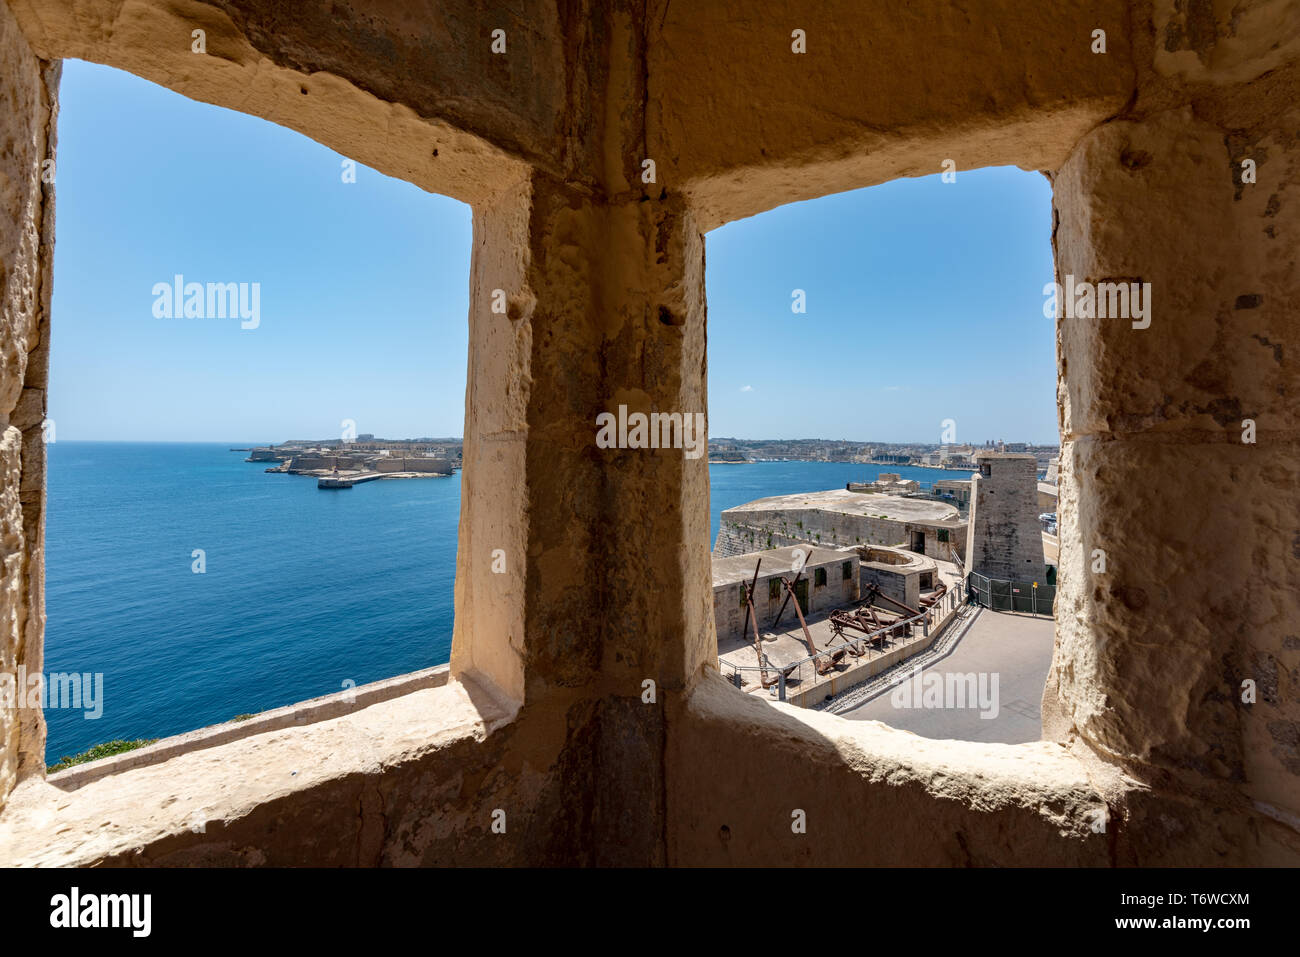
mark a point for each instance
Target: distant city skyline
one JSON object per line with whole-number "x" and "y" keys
{"x": 853, "y": 441}
{"x": 459, "y": 438}
{"x": 923, "y": 298}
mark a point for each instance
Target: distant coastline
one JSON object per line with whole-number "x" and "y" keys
{"x": 948, "y": 456}
{"x": 344, "y": 463}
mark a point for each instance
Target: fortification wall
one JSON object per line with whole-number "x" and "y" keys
{"x": 1145, "y": 144}
{"x": 735, "y": 538}
{"x": 818, "y": 526}
{"x": 419, "y": 464}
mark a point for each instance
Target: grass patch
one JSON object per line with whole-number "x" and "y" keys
{"x": 105, "y": 750}
{"x": 243, "y": 717}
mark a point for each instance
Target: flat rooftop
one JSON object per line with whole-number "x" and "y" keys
{"x": 872, "y": 504}
{"x": 728, "y": 571}
{"x": 784, "y": 645}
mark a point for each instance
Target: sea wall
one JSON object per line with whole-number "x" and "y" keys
{"x": 400, "y": 463}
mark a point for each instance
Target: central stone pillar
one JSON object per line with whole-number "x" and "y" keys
{"x": 583, "y": 583}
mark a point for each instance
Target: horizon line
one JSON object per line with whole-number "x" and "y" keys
{"x": 461, "y": 439}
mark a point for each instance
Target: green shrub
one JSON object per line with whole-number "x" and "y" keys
{"x": 105, "y": 750}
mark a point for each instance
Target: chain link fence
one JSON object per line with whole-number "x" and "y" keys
{"x": 1000, "y": 594}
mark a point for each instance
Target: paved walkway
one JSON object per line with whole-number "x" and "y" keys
{"x": 1017, "y": 649}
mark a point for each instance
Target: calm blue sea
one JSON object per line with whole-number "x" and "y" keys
{"x": 304, "y": 589}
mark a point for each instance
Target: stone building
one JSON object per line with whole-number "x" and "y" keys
{"x": 958, "y": 490}
{"x": 889, "y": 482}
{"x": 1006, "y": 538}
{"x": 899, "y": 573}
{"x": 597, "y": 149}
{"x": 829, "y": 580}
{"x": 842, "y": 517}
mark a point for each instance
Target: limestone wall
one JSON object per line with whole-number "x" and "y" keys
{"x": 27, "y": 119}
{"x": 999, "y": 85}
{"x": 306, "y": 462}
{"x": 400, "y": 463}
{"x": 813, "y": 525}
{"x": 902, "y": 584}
{"x": 607, "y": 554}
{"x": 421, "y": 464}
{"x": 735, "y": 538}
{"x": 1161, "y": 621}
{"x": 762, "y": 529}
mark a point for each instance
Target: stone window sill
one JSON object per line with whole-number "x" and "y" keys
{"x": 192, "y": 781}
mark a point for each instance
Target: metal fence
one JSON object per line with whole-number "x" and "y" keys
{"x": 803, "y": 672}
{"x": 1000, "y": 594}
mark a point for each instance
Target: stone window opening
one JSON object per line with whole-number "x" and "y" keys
{"x": 285, "y": 707}
{"x": 1127, "y": 772}
{"x": 1030, "y": 234}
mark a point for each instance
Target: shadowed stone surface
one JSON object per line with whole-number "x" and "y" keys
{"x": 584, "y": 702}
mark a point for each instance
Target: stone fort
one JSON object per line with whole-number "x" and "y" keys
{"x": 598, "y": 141}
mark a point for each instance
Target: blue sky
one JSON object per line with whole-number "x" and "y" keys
{"x": 924, "y": 299}
{"x": 924, "y": 303}
{"x": 364, "y": 286}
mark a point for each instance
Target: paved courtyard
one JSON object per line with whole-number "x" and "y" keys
{"x": 1017, "y": 649}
